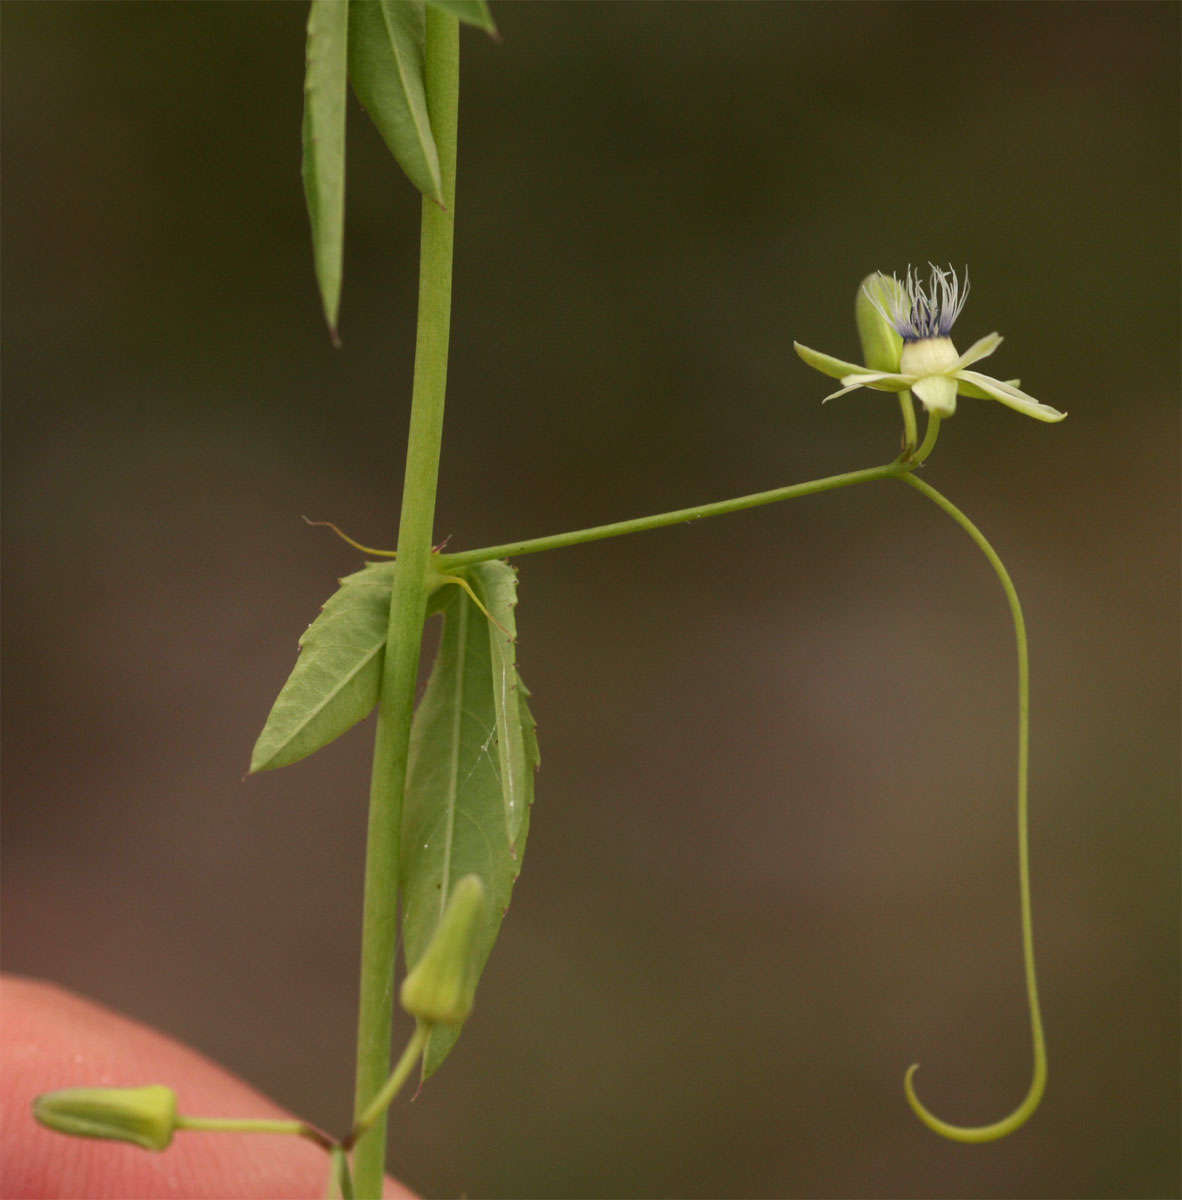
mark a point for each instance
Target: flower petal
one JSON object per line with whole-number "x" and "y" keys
{"x": 981, "y": 348}
{"x": 937, "y": 394}
{"x": 971, "y": 389}
{"x": 1011, "y": 396}
{"x": 883, "y": 381}
{"x": 853, "y": 387}
{"x": 825, "y": 363}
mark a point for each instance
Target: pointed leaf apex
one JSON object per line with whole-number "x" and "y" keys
{"x": 470, "y": 12}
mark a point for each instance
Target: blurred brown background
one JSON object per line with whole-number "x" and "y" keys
{"x": 773, "y": 859}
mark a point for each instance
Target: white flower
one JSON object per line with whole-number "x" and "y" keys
{"x": 928, "y": 363}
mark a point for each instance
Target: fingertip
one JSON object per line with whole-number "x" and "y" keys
{"x": 53, "y": 1038}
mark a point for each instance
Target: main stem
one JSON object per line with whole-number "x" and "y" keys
{"x": 379, "y": 936}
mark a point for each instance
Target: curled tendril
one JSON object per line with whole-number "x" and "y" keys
{"x": 1038, "y": 1080}
{"x": 982, "y": 1133}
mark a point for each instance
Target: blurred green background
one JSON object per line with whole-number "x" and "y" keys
{"x": 772, "y": 860}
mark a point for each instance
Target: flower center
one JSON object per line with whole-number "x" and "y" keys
{"x": 928, "y": 356}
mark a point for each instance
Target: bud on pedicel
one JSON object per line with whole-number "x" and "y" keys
{"x": 882, "y": 345}
{"x": 442, "y": 986}
{"x": 146, "y": 1116}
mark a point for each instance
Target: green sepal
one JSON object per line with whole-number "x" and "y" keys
{"x": 387, "y": 40}
{"x": 145, "y": 1116}
{"x": 964, "y": 388}
{"x": 337, "y": 676}
{"x": 471, "y": 12}
{"x": 882, "y": 346}
{"x": 1013, "y": 397}
{"x": 826, "y": 364}
{"x": 323, "y": 166}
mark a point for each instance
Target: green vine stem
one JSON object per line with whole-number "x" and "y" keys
{"x": 595, "y": 533}
{"x": 1038, "y": 1081}
{"x": 408, "y": 608}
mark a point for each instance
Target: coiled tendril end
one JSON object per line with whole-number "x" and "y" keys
{"x": 981, "y": 1133}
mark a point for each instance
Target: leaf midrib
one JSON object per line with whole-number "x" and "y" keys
{"x": 453, "y": 786}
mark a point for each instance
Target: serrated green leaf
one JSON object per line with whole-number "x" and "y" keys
{"x": 324, "y": 146}
{"x": 496, "y": 584}
{"x": 386, "y": 48}
{"x": 454, "y": 813}
{"x": 471, "y": 12}
{"x": 338, "y": 673}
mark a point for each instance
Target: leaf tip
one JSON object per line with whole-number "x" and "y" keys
{"x": 262, "y": 757}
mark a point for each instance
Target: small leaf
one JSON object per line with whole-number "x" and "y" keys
{"x": 386, "y": 48}
{"x": 324, "y": 146}
{"x": 337, "y": 677}
{"x": 454, "y": 814}
{"x": 471, "y": 12}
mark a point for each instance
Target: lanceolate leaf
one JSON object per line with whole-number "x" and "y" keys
{"x": 386, "y": 46}
{"x": 337, "y": 676}
{"x": 324, "y": 146}
{"x": 473, "y": 12}
{"x": 454, "y": 814}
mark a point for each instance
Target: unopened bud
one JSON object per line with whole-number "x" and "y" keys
{"x": 882, "y": 344}
{"x": 442, "y": 985}
{"x": 146, "y": 1116}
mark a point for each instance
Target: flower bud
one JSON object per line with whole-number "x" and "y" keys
{"x": 442, "y": 985}
{"x": 146, "y": 1116}
{"x": 882, "y": 345}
